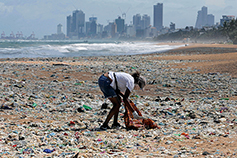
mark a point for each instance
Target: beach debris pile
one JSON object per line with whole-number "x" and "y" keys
{"x": 48, "y": 110}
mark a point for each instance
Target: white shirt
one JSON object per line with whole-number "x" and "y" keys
{"x": 124, "y": 81}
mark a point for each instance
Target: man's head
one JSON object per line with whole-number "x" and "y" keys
{"x": 138, "y": 79}
{"x": 141, "y": 82}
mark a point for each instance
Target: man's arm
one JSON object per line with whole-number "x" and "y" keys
{"x": 126, "y": 101}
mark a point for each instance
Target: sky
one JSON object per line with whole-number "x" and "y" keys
{"x": 43, "y": 16}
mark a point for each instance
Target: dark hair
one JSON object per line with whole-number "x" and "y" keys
{"x": 136, "y": 76}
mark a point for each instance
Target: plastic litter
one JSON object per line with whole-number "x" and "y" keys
{"x": 59, "y": 116}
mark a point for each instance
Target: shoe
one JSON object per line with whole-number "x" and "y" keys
{"x": 136, "y": 116}
{"x": 104, "y": 127}
{"x": 117, "y": 125}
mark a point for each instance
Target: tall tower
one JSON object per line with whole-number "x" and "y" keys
{"x": 210, "y": 19}
{"x": 120, "y": 25}
{"x": 69, "y": 25}
{"x": 199, "y": 20}
{"x": 137, "y": 21}
{"x": 59, "y": 29}
{"x": 93, "y": 25}
{"x": 145, "y": 21}
{"x": 204, "y": 19}
{"x": 78, "y": 22}
{"x": 92, "y": 19}
{"x": 204, "y": 16}
{"x": 158, "y": 16}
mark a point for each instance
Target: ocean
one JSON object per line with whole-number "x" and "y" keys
{"x": 44, "y": 49}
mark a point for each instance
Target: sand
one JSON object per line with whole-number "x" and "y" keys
{"x": 225, "y": 61}
{"x": 206, "y": 58}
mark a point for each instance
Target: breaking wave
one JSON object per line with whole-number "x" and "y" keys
{"x": 44, "y": 49}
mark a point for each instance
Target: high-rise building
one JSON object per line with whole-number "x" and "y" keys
{"x": 100, "y": 28}
{"x": 91, "y": 26}
{"x": 210, "y": 20}
{"x": 204, "y": 16}
{"x": 56, "y": 36}
{"x": 145, "y": 22}
{"x": 87, "y": 27}
{"x": 204, "y": 19}
{"x": 78, "y": 21}
{"x": 199, "y": 20}
{"x": 76, "y": 24}
{"x": 92, "y": 19}
{"x": 137, "y": 21}
{"x": 111, "y": 29}
{"x": 120, "y": 25}
{"x": 69, "y": 25}
{"x": 141, "y": 22}
{"x": 59, "y": 29}
{"x": 158, "y": 16}
{"x": 131, "y": 31}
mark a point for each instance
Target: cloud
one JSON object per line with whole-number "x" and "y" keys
{"x": 219, "y": 3}
{"x": 34, "y": 11}
{"x": 5, "y": 9}
{"x": 42, "y": 9}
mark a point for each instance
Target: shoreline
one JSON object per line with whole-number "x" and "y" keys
{"x": 187, "y": 50}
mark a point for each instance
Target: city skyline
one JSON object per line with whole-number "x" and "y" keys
{"x": 43, "y": 16}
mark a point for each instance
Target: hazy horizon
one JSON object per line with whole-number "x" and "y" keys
{"x": 43, "y": 16}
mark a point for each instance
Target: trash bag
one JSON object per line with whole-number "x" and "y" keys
{"x": 136, "y": 124}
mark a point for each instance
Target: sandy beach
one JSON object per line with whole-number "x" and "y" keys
{"x": 43, "y": 97}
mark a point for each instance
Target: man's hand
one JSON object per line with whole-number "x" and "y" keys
{"x": 119, "y": 93}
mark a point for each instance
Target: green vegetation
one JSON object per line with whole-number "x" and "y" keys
{"x": 230, "y": 30}
{"x": 221, "y": 34}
